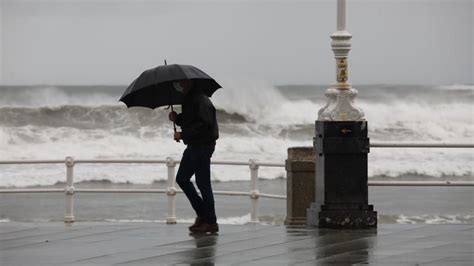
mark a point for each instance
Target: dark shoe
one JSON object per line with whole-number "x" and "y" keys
{"x": 198, "y": 222}
{"x": 206, "y": 228}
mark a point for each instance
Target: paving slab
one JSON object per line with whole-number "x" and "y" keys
{"x": 98, "y": 243}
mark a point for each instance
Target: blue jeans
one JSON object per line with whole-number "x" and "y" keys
{"x": 197, "y": 160}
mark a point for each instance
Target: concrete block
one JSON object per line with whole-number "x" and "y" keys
{"x": 300, "y": 184}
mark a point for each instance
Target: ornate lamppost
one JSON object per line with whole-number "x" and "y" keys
{"x": 341, "y": 146}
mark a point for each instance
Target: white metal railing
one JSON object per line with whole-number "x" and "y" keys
{"x": 421, "y": 183}
{"x": 420, "y": 145}
{"x": 171, "y": 190}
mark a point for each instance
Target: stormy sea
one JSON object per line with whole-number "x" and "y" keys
{"x": 257, "y": 121}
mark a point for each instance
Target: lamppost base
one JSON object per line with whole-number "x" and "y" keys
{"x": 346, "y": 217}
{"x": 341, "y": 194}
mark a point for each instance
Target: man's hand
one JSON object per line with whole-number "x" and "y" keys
{"x": 172, "y": 116}
{"x": 177, "y": 136}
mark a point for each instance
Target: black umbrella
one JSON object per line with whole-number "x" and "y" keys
{"x": 154, "y": 87}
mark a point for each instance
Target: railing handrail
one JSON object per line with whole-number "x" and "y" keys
{"x": 140, "y": 161}
{"x": 420, "y": 145}
{"x": 130, "y": 190}
{"x": 421, "y": 183}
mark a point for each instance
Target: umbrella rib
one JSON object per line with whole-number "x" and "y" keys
{"x": 182, "y": 71}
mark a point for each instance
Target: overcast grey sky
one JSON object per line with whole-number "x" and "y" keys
{"x": 282, "y": 42}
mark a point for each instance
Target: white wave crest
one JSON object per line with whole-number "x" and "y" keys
{"x": 94, "y": 145}
{"x": 262, "y": 103}
{"x": 436, "y": 219}
{"x": 457, "y": 87}
{"x": 237, "y": 220}
{"x": 434, "y": 162}
{"x": 51, "y": 96}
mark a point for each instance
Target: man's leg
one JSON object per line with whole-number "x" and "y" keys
{"x": 185, "y": 172}
{"x": 203, "y": 181}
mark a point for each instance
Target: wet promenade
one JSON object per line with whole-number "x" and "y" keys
{"x": 156, "y": 244}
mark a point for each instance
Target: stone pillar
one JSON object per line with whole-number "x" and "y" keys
{"x": 299, "y": 184}
{"x": 341, "y": 199}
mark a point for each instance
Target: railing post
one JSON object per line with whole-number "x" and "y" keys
{"x": 69, "y": 190}
{"x": 254, "y": 193}
{"x": 171, "y": 191}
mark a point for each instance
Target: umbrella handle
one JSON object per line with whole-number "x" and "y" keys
{"x": 174, "y": 127}
{"x": 174, "y": 124}
{"x": 171, "y": 105}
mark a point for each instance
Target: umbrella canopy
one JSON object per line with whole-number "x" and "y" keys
{"x": 154, "y": 87}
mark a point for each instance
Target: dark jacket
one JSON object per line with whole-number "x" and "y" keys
{"x": 198, "y": 120}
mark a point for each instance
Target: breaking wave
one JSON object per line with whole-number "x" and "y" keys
{"x": 256, "y": 121}
{"x": 94, "y": 117}
{"x": 460, "y": 87}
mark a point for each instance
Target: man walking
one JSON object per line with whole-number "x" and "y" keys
{"x": 199, "y": 132}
